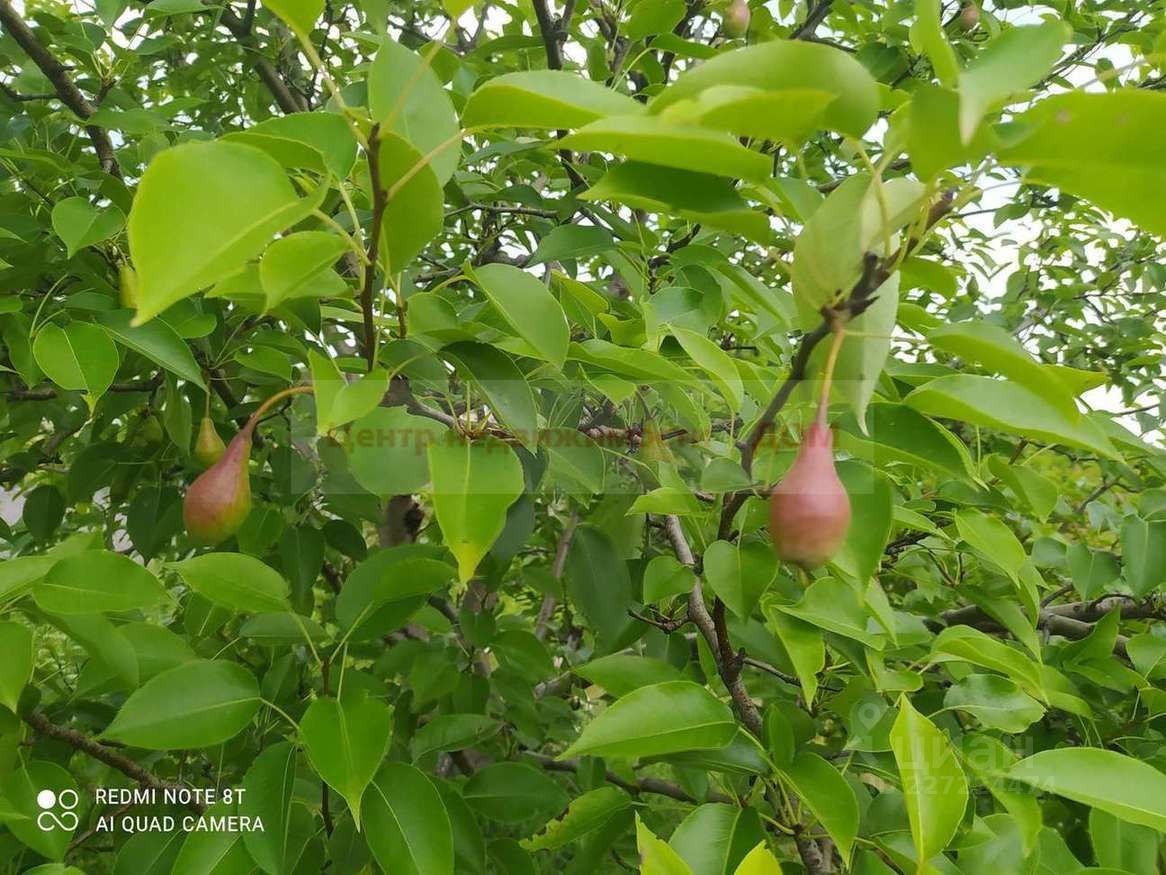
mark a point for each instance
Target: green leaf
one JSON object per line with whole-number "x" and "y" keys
{"x": 405, "y": 97}
{"x": 784, "y": 116}
{"x": 346, "y": 741}
{"x": 474, "y": 482}
{"x": 658, "y": 719}
{"x": 653, "y": 140}
{"x": 901, "y": 434}
{"x": 545, "y": 99}
{"x": 1008, "y": 406}
{"x": 829, "y": 252}
{"x": 1099, "y": 147}
{"x": 300, "y": 15}
{"x": 599, "y": 585}
{"x": 528, "y": 308}
{"x": 664, "y": 576}
{"x": 828, "y": 795}
{"x": 206, "y": 852}
{"x": 992, "y": 539}
{"x": 413, "y": 215}
{"x": 739, "y": 573}
{"x": 716, "y": 362}
{"x": 447, "y": 732}
{"x": 387, "y": 450}
{"x": 760, "y": 861}
{"x": 1143, "y": 546}
{"x": 267, "y": 794}
{"x": 656, "y": 855}
{"x": 1127, "y": 788}
{"x": 788, "y": 65}
{"x": 320, "y": 141}
{"x": 996, "y": 702}
{"x": 406, "y": 823}
{"x": 157, "y": 341}
{"x": 699, "y": 197}
{"x": 234, "y": 199}
{"x": 567, "y": 242}
{"x": 648, "y": 19}
{"x": 300, "y": 266}
{"x": 714, "y": 838}
{"x": 95, "y": 582}
{"x": 833, "y": 605}
{"x": 236, "y": 581}
{"x": 803, "y": 644}
{"x": 338, "y": 401}
{"x": 196, "y": 704}
{"x": 577, "y": 463}
{"x": 79, "y": 357}
{"x": 585, "y": 814}
{"x": 1012, "y": 62}
{"x": 927, "y": 37}
{"x": 971, "y": 645}
{"x": 79, "y": 223}
{"x": 620, "y": 673}
{"x": 1122, "y": 846}
{"x": 20, "y": 787}
{"x": 395, "y": 579}
{"x": 16, "y": 668}
{"x": 1034, "y": 489}
{"x": 513, "y": 792}
{"x": 498, "y": 378}
{"x": 996, "y": 349}
{"x": 1092, "y": 570}
{"x": 934, "y": 787}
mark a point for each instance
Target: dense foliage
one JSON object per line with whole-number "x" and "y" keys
{"x": 513, "y": 315}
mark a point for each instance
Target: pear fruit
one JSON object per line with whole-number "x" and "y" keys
{"x": 208, "y": 446}
{"x": 737, "y": 19}
{"x": 809, "y": 510}
{"x": 219, "y": 501}
{"x": 969, "y": 17}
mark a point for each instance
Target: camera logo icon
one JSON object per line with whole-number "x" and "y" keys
{"x": 49, "y": 803}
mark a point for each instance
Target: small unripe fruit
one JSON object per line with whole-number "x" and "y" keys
{"x": 809, "y": 510}
{"x": 969, "y": 17}
{"x": 219, "y": 501}
{"x": 208, "y": 446}
{"x": 737, "y": 19}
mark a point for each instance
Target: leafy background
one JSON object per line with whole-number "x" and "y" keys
{"x": 558, "y": 274}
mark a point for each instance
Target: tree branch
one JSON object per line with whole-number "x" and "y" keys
{"x": 100, "y": 752}
{"x": 56, "y": 73}
{"x": 642, "y": 785}
{"x": 380, "y": 200}
{"x": 240, "y": 29}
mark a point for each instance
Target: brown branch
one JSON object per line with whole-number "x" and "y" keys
{"x": 240, "y": 28}
{"x": 12, "y": 94}
{"x": 550, "y": 35}
{"x": 100, "y": 752}
{"x": 642, "y": 785}
{"x": 380, "y": 200}
{"x": 58, "y": 76}
{"x": 814, "y": 18}
{"x": 547, "y": 608}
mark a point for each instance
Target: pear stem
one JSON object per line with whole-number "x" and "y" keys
{"x": 828, "y": 372}
{"x": 275, "y": 399}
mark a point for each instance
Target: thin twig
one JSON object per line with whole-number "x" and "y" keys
{"x": 58, "y": 76}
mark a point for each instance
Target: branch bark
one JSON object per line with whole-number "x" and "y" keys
{"x": 100, "y": 752}
{"x": 380, "y": 200}
{"x": 56, "y": 73}
{"x": 240, "y": 29}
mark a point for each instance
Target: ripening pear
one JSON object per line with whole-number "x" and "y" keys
{"x": 208, "y": 446}
{"x": 809, "y": 510}
{"x": 969, "y": 17}
{"x": 219, "y": 501}
{"x": 737, "y": 19}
